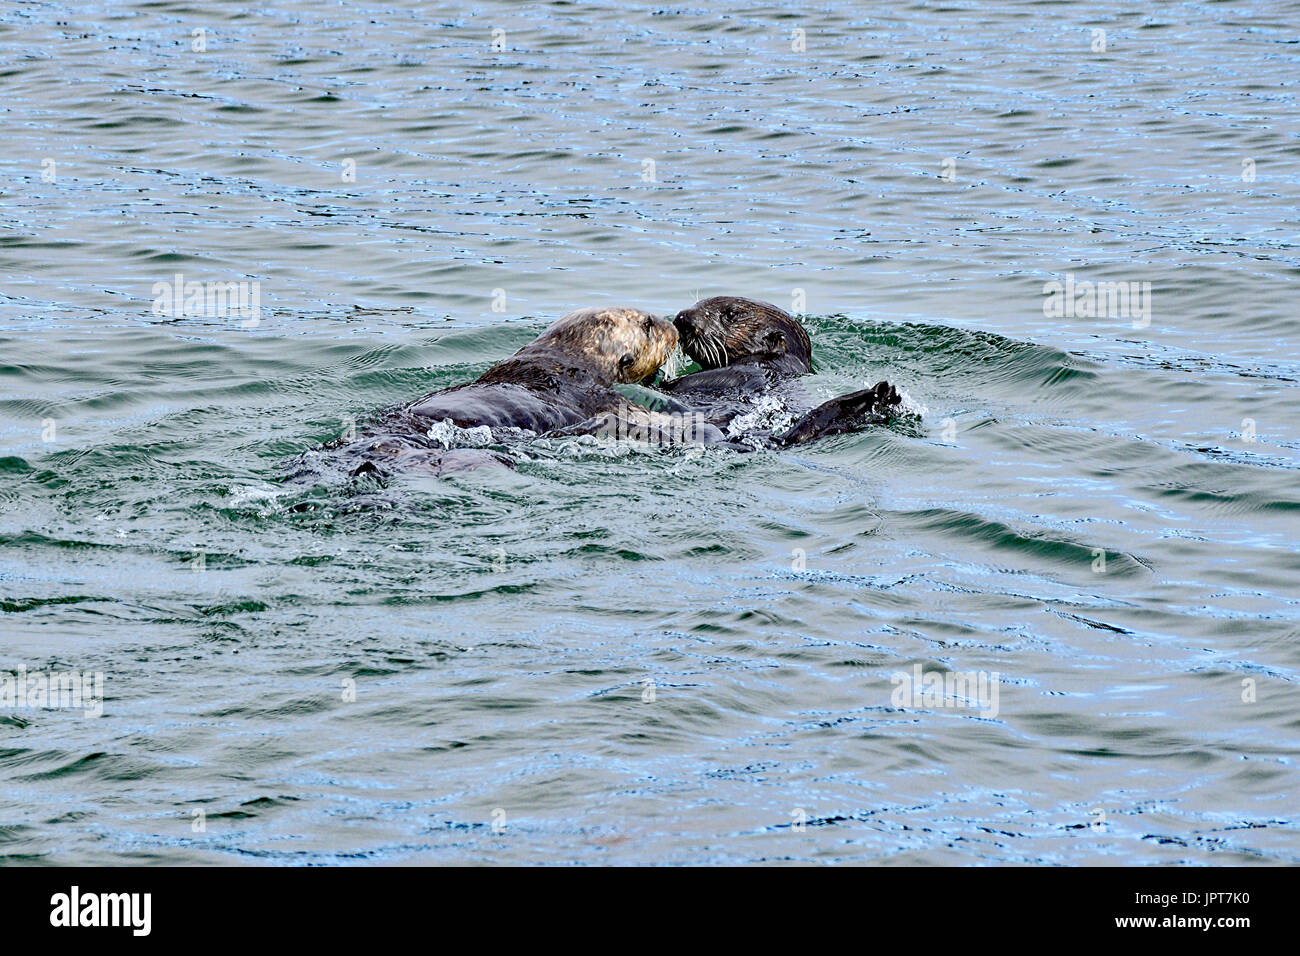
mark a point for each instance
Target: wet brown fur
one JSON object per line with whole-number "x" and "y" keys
{"x": 559, "y": 382}
{"x": 747, "y": 348}
{"x": 562, "y": 377}
{"x": 728, "y": 331}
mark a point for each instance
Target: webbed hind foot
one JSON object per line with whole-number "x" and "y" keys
{"x": 848, "y": 413}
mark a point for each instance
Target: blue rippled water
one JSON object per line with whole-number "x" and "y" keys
{"x": 622, "y": 654}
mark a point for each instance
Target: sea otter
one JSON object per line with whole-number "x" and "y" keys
{"x": 558, "y": 384}
{"x": 561, "y": 378}
{"x": 748, "y": 350}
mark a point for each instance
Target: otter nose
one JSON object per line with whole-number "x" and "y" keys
{"x": 684, "y": 321}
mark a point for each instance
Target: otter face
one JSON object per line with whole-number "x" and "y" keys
{"x": 624, "y": 345}
{"x": 726, "y": 329}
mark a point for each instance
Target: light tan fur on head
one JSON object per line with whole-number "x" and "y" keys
{"x": 624, "y": 345}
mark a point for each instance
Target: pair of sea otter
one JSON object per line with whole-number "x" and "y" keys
{"x": 563, "y": 384}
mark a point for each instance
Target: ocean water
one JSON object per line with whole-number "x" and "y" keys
{"x": 624, "y": 654}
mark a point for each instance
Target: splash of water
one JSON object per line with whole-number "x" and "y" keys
{"x": 450, "y": 435}
{"x": 769, "y": 414}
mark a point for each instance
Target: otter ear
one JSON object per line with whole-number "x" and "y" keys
{"x": 774, "y": 341}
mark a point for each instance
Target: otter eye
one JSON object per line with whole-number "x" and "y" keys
{"x": 627, "y": 360}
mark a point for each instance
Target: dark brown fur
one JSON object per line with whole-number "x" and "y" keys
{"x": 728, "y": 331}
{"x": 561, "y": 378}
{"x": 558, "y": 383}
{"x": 748, "y": 348}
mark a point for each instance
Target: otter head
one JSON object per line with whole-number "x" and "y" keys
{"x": 725, "y": 330}
{"x": 621, "y": 345}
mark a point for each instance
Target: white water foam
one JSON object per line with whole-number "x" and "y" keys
{"x": 450, "y": 435}
{"x": 911, "y": 406}
{"x": 770, "y": 414}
